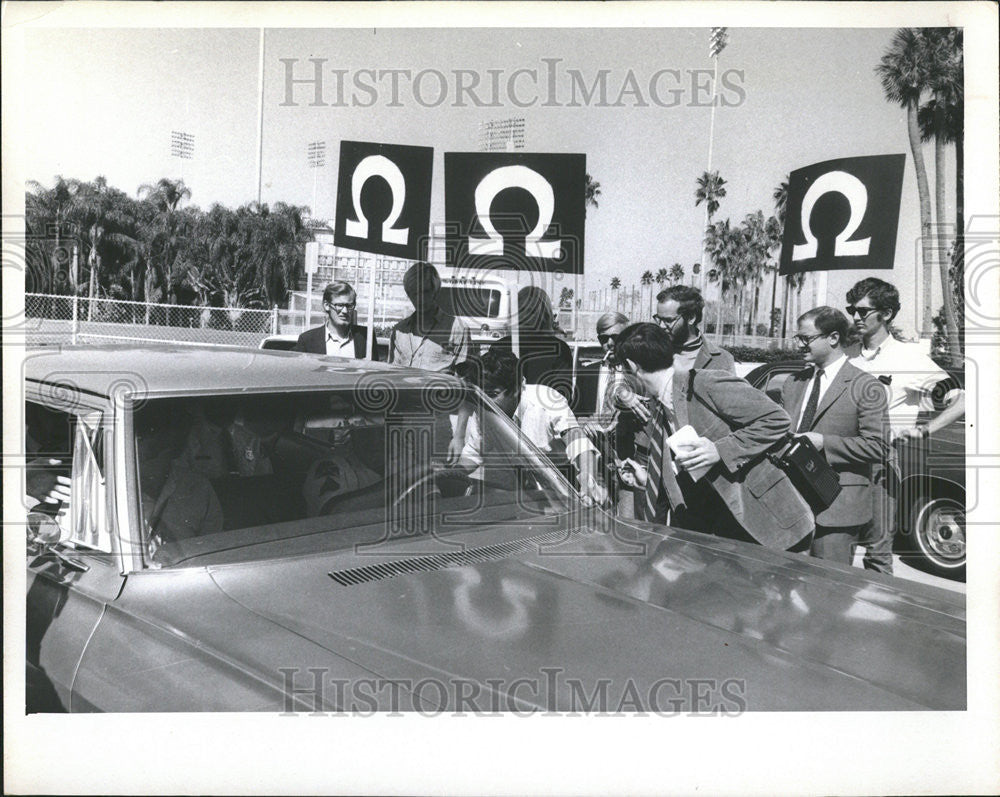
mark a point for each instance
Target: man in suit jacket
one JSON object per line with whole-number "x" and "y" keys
{"x": 339, "y": 336}
{"x": 842, "y": 410}
{"x": 679, "y": 310}
{"x": 723, "y": 483}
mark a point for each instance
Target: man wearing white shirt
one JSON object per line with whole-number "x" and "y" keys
{"x": 910, "y": 377}
{"x": 842, "y": 411}
{"x": 545, "y": 418}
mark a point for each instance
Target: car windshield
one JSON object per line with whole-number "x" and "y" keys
{"x": 235, "y": 478}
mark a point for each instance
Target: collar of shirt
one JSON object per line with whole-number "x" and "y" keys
{"x": 666, "y": 397}
{"x": 830, "y": 371}
{"x": 885, "y": 346}
{"x": 331, "y": 334}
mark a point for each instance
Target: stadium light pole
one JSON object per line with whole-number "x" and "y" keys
{"x": 718, "y": 38}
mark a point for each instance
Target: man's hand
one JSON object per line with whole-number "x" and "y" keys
{"x": 632, "y": 474}
{"x": 910, "y": 433}
{"x": 45, "y": 485}
{"x": 815, "y": 438}
{"x": 455, "y": 446}
{"x": 593, "y": 492}
{"x": 702, "y": 454}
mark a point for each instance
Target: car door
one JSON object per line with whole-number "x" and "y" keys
{"x": 771, "y": 378}
{"x": 69, "y": 582}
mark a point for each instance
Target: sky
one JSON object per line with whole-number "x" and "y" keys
{"x": 792, "y": 97}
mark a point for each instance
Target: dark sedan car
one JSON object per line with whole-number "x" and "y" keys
{"x": 931, "y": 498}
{"x": 272, "y": 531}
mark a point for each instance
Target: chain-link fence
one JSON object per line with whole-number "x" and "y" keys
{"x": 70, "y": 319}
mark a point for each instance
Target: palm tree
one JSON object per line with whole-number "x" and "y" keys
{"x": 676, "y": 273}
{"x": 940, "y": 119}
{"x": 47, "y": 209}
{"x": 662, "y": 276}
{"x": 163, "y": 235}
{"x": 719, "y": 241}
{"x": 711, "y": 188}
{"x": 904, "y": 75}
{"x": 615, "y": 283}
{"x": 647, "y": 280}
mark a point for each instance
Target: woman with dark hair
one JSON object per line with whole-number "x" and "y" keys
{"x": 545, "y": 359}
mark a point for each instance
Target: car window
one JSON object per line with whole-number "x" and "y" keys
{"x": 775, "y": 382}
{"x": 233, "y": 478}
{"x": 71, "y": 445}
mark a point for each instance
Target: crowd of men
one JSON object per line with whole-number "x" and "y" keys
{"x": 685, "y": 441}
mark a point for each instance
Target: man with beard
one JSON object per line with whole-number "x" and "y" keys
{"x": 678, "y": 311}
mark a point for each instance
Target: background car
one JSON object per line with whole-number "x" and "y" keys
{"x": 930, "y": 504}
{"x": 249, "y": 530}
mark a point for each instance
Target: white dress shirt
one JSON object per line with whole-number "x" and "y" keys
{"x": 337, "y": 346}
{"x": 544, "y": 416}
{"x": 825, "y": 380}
{"x": 912, "y": 377}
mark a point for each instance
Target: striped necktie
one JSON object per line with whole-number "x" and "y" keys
{"x": 657, "y": 475}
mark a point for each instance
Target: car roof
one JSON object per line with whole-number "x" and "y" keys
{"x": 165, "y": 369}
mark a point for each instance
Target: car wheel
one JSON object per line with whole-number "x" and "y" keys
{"x": 939, "y": 534}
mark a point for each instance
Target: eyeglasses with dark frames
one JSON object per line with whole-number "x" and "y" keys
{"x": 806, "y": 340}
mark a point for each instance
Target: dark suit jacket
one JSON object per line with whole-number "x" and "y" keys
{"x": 854, "y": 422}
{"x": 314, "y": 341}
{"x": 744, "y": 424}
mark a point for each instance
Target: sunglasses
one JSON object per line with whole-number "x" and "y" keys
{"x": 603, "y": 337}
{"x": 862, "y": 312}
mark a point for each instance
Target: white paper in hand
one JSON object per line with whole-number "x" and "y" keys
{"x": 679, "y": 441}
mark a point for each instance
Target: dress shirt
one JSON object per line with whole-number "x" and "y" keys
{"x": 912, "y": 374}
{"x": 544, "y": 416}
{"x": 337, "y": 346}
{"x": 825, "y": 380}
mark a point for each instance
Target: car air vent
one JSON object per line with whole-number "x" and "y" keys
{"x": 425, "y": 564}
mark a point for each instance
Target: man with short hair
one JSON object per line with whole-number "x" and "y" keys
{"x": 679, "y": 310}
{"x": 339, "y": 336}
{"x": 910, "y": 377}
{"x": 719, "y": 482}
{"x": 428, "y": 338}
{"x": 842, "y": 411}
{"x": 542, "y": 414}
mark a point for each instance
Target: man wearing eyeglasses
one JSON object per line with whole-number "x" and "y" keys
{"x": 842, "y": 411}
{"x": 679, "y": 310}
{"x": 339, "y": 336}
{"x": 910, "y": 377}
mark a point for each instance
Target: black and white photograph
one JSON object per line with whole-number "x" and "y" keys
{"x": 501, "y": 397}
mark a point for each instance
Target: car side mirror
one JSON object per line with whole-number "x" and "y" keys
{"x": 45, "y": 532}
{"x": 43, "y": 529}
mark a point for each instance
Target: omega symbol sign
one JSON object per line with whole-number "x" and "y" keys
{"x": 843, "y": 214}
{"x": 515, "y": 211}
{"x": 384, "y": 198}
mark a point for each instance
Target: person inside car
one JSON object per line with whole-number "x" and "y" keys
{"x": 543, "y": 415}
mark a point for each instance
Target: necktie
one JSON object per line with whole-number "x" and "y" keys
{"x": 810, "y": 412}
{"x": 656, "y": 474}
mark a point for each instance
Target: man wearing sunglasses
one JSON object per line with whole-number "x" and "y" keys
{"x": 910, "y": 377}
{"x": 678, "y": 310}
{"x": 339, "y": 336}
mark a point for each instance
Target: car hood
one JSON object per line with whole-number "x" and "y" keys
{"x": 620, "y": 619}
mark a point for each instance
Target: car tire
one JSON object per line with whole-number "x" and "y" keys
{"x": 938, "y": 533}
